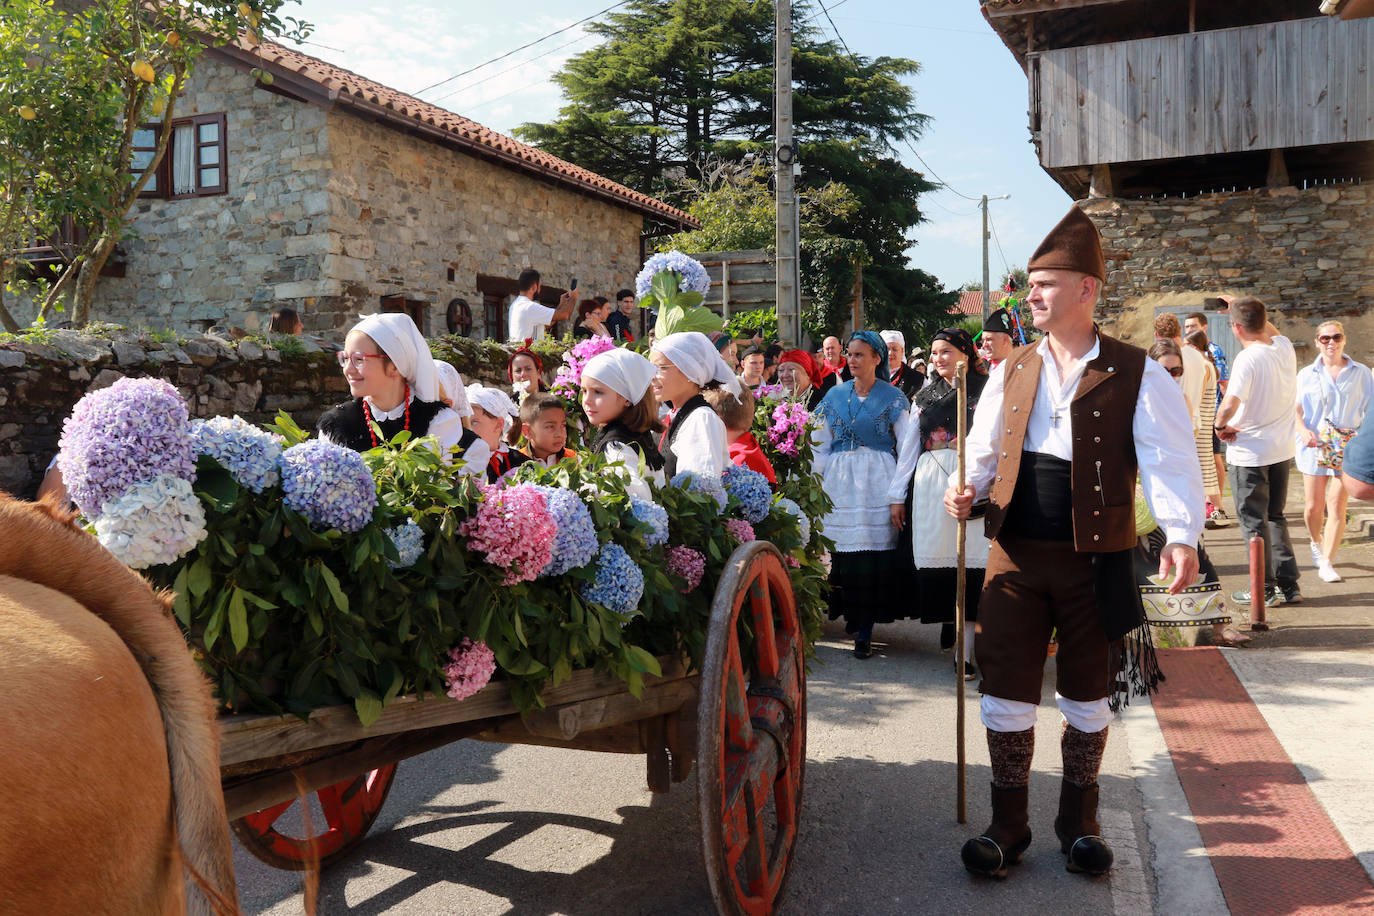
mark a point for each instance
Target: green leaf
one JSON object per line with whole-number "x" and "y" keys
{"x": 181, "y": 603}
{"x": 238, "y": 620}
{"x": 640, "y": 660}
{"x": 369, "y": 708}
{"x": 331, "y": 582}
{"x": 216, "y": 485}
{"x": 690, "y": 298}
{"x": 198, "y": 577}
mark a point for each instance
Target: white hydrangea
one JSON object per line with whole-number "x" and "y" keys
{"x": 152, "y": 523}
{"x": 803, "y": 523}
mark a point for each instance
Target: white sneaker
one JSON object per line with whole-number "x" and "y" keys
{"x": 1317, "y": 558}
{"x": 1326, "y": 572}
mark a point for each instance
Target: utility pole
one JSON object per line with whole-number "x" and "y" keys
{"x": 784, "y": 182}
{"x": 987, "y": 292}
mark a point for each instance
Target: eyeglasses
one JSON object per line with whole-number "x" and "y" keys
{"x": 1330, "y": 338}
{"x": 357, "y": 359}
{"x": 1176, "y": 371}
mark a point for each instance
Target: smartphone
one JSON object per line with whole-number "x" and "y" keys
{"x": 1212, "y": 302}
{"x": 573, "y": 284}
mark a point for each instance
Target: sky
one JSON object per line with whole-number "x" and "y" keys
{"x": 968, "y": 83}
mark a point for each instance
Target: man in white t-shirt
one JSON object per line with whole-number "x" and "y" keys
{"x": 1256, "y": 419}
{"x": 527, "y": 319}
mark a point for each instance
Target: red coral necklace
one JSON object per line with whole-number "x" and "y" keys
{"x": 367, "y": 417}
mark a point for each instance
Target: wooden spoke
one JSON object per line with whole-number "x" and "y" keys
{"x": 752, "y": 733}
{"x": 348, "y": 808}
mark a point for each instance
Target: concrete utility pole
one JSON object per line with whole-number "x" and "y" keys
{"x": 987, "y": 292}
{"x": 784, "y": 182}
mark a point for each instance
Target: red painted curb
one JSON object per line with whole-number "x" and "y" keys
{"x": 1272, "y": 845}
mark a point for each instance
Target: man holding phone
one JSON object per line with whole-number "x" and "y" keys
{"x": 528, "y": 318}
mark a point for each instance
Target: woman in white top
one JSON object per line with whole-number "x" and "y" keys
{"x": 1335, "y": 390}
{"x": 686, "y": 363}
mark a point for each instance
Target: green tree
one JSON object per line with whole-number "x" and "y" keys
{"x": 75, "y": 85}
{"x": 677, "y": 87}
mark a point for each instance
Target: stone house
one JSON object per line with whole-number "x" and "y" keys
{"x": 1219, "y": 147}
{"x": 332, "y": 194}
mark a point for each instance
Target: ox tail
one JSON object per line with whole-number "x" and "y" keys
{"x": 42, "y": 545}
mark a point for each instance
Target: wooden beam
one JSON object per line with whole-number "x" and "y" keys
{"x": 1102, "y": 182}
{"x": 1278, "y": 170}
{"x": 1028, "y": 7}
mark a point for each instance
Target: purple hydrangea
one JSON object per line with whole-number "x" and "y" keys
{"x": 751, "y": 490}
{"x": 686, "y": 563}
{"x": 249, "y": 454}
{"x": 619, "y": 583}
{"x": 133, "y": 431}
{"x": 740, "y": 530}
{"x": 653, "y": 515}
{"x": 328, "y": 484}
{"x": 708, "y": 484}
{"x": 693, "y": 274}
{"x": 575, "y": 544}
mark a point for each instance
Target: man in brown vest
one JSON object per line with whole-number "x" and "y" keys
{"x": 1060, "y": 432}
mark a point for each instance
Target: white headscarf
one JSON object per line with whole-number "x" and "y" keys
{"x": 399, "y": 338}
{"x": 623, "y": 371}
{"x": 894, "y": 337}
{"x": 495, "y": 402}
{"x": 698, "y": 359}
{"x": 451, "y": 387}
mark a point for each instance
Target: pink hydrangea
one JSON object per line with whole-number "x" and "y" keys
{"x": 688, "y": 564}
{"x": 471, "y": 665}
{"x": 740, "y": 530}
{"x": 789, "y": 425}
{"x": 570, "y": 373}
{"x": 514, "y": 528}
{"x": 792, "y": 561}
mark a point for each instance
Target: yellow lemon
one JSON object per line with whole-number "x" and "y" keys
{"x": 27, "y": 113}
{"x": 173, "y": 40}
{"x": 245, "y": 10}
{"x": 143, "y": 70}
{"x": 157, "y": 107}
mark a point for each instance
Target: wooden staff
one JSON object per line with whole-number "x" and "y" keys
{"x": 961, "y": 577}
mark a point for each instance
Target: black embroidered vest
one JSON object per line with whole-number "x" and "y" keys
{"x": 346, "y": 425}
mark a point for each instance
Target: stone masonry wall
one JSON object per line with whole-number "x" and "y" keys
{"x": 405, "y": 211}
{"x": 1307, "y": 254}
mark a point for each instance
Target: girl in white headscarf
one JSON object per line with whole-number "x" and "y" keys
{"x": 395, "y": 385}
{"x": 688, "y": 363}
{"x": 493, "y": 414}
{"x": 617, "y": 401}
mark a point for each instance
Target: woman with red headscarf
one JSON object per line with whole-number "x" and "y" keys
{"x": 804, "y": 378}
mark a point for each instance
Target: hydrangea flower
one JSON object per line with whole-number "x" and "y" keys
{"x": 514, "y": 528}
{"x": 788, "y": 427}
{"x": 686, "y": 563}
{"x": 751, "y": 489}
{"x": 152, "y": 523}
{"x": 702, "y": 483}
{"x": 693, "y": 274}
{"x": 619, "y": 583}
{"x": 471, "y": 665}
{"x": 409, "y": 540}
{"x": 328, "y": 484}
{"x": 655, "y": 516}
{"x": 569, "y": 377}
{"x": 770, "y": 392}
{"x": 575, "y": 543}
{"x": 249, "y": 454}
{"x": 740, "y": 530}
{"x": 803, "y": 523}
{"x": 133, "y": 431}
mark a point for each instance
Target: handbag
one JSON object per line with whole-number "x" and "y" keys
{"x": 1331, "y": 443}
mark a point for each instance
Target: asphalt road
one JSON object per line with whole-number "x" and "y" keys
{"x": 478, "y": 828}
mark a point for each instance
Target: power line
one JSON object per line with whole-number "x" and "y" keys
{"x": 1005, "y": 266}
{"x": 834, "y": 28}
{"x": 523, "y": 63}
{"x": 521, "y": 48}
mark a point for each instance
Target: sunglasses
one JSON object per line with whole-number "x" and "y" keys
{"x": 1330, "y": 338}
{"x": 357, "y": 359}
{"x": 1176, "y": 371}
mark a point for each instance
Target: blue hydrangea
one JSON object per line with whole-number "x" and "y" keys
{"x": 655, "y": 516}
{"x": 803, "y": 523}
{"x": 328, "y": 484}
{"x": 575, "y": 544}
{"x": 131, "y": 432}
{"x": 702, "y": 483}
{"x": 752, "y": 491}
{"x": 619, "y": 583}
{"x": 248, "y": 453}
{"x": 409, "y": 540}
{"x": 693, "y": 274}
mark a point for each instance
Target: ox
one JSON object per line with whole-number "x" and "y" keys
{"x": 110, "y": 796}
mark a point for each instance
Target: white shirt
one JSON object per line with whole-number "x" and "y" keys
{"x": 528, "y": 319}
{"x": 1264, "y": 379}
{"x": 701, "y": 444}
{"x": 1161, "y": 427}
{"x": 630, "y": 467}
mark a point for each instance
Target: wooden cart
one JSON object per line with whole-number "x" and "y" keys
{"x": 742, "y": 719}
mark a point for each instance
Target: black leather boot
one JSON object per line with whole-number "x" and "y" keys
{"x": 1002, "y": 844}
{"x": 1080, "y": 836}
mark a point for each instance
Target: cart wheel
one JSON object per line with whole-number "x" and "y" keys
{"x": 349, "y": 809}
{"x": 751, "y": 733}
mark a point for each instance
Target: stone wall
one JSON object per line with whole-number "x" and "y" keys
{"x": 1307, "y": 254}
{"x": 41, "y": 382}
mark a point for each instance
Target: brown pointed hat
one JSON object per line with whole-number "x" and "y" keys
{"x": 1072, "y": 245}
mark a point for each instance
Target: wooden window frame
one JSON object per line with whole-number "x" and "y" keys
{"x": 163, "y": 174}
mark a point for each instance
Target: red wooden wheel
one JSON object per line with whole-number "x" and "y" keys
{"x": 751, "y": 733}
{"x": 349, "y": 808}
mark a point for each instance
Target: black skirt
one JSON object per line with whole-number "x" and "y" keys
{"x": 861, "y": 588}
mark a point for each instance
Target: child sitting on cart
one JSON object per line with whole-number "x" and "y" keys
{"x": 493, "y": 413}
{"x": 544, "y": 427}
{"x": 696, "y": 441}
{"x": 617, "y": 401}
{"x": 395, "y": 384}
{"x": 737, "y": 413}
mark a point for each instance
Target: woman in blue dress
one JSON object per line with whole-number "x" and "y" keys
{"x": 862, "y": 421}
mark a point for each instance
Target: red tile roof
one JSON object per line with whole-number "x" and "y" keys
{"x": 342, "y": 86}
{"x": 970, "y": 303}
